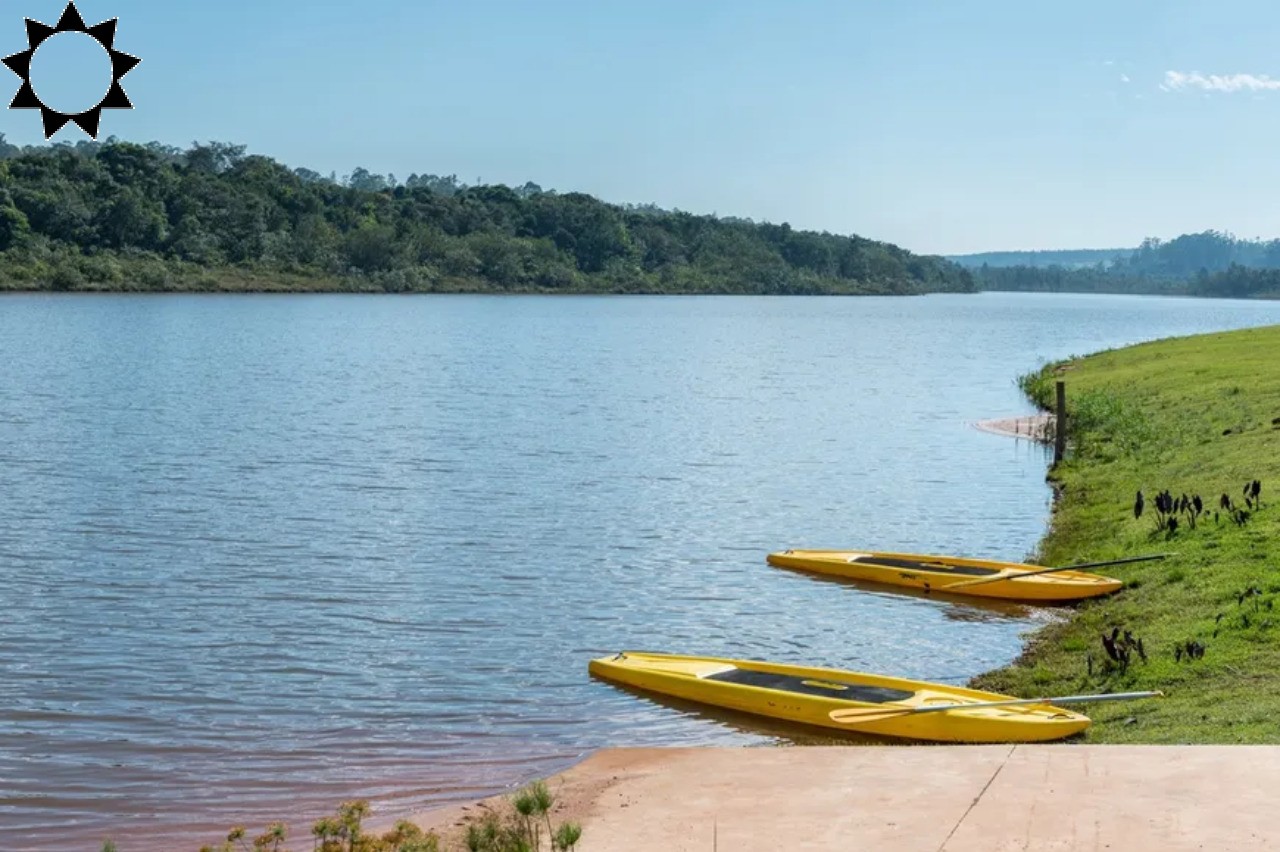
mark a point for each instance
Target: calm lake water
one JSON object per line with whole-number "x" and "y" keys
{"x": 261, "y": 554}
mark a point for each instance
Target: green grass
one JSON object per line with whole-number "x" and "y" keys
{"x": 1198, "y": 415}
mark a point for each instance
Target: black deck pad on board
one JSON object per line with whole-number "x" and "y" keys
{"x": 932, "y": 567}
{"x": 812, "y": 686}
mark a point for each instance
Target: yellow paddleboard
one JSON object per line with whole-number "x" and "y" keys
{"x": 947, "y": 573}
{"x": 809, "y": 695}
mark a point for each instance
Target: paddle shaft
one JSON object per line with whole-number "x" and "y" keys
{"x": 1082, "y": 567}
{"x": 872, "y": 713}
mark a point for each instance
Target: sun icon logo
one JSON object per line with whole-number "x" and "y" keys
{"x": 71, "y": 22}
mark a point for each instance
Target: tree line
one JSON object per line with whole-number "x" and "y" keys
{"x": 123, "y": 216}
{"x": 1212, "y": 263}
{"x": 1068, "y": 258}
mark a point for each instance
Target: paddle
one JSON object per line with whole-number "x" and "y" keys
{"x": 858, "y": 715}
{"x": 1005, "y": 575}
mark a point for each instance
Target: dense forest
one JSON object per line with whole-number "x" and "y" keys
{"x": 1206, "y": 264}
{"x": 122, "y": 216}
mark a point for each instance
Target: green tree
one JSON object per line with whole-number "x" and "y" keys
{"x": 371, "y": 247}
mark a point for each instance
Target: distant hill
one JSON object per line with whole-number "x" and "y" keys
{"x": 1066, "y": 258}
{"x": 1212, "y": 263}
{"x": 121, "y": 216}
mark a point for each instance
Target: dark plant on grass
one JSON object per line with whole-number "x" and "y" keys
{"x": 1252, "y": 593}
{"x": 1188, "y": 651}
{"x": 1251, "y": 599}
{"x": 1172, "y": 513}
{"x": 1165, "y": 509}
{"x": 1252, "y": 501}
{"x": 1121, "y": 647}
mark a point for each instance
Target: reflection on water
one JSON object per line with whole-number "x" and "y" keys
{"x": 261, "y": 554}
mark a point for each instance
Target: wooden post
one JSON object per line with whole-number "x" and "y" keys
{"x": 1060, "y": 423}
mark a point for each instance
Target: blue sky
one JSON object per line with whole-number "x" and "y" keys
{"x": 942, "y": 126}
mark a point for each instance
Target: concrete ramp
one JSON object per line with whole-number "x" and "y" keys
{"x": 922, "y": 799}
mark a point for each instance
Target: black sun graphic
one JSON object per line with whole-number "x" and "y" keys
{"x": 71, "y": 22}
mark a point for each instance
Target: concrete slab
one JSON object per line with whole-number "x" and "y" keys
{"x": 1171, "y": 798}
{"x": 919, "y": 799}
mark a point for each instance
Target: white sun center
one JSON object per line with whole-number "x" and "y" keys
{"x": 71, "y": 72}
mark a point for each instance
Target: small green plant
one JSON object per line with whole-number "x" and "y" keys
{"x": 491, "y": 835}
{"x": 519, "y": 831}
{"x": 1043, "y": 675}
{"x": 1104, "y": 426}
{"x": 567, "y": 837}
{"x": 522, "y": 832}
{"x": 1038, "y": 385}
{"x": 542, "y": 802}
{"x": 407, "y": 837}
{"x": 342, "y": 832}
{"x": 109, "y": 846}
{"x": 482, "y": 836}
{"x": 270, "y": 840}
{"x": 524, "y": 804}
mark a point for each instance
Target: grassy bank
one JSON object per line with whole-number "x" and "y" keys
{"x": 1199, "y": 416}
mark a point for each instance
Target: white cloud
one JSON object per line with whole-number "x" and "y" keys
{"x": 1124, "y": 78}
{"x": 1176, "y": 81}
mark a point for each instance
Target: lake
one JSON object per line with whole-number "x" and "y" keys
{"x": 263, "y": 553}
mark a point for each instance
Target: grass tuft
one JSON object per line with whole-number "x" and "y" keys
{"x": 517, "y": 830}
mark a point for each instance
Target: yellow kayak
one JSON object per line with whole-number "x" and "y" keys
{"x": 809, "y": 695}
{"x": 944, "y": 573}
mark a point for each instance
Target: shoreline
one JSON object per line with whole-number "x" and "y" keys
{"x": 1151, "y": 784}
{"x": 582, "y": 789}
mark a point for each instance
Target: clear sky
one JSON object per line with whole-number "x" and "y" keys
{"x": 943, "y": 126}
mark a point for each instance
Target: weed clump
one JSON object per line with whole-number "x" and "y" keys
{"x": 520, "y": 830}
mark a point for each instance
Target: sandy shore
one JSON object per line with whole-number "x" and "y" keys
{"x": 1035, "y": 427}
{"x": 927, "y": 798}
